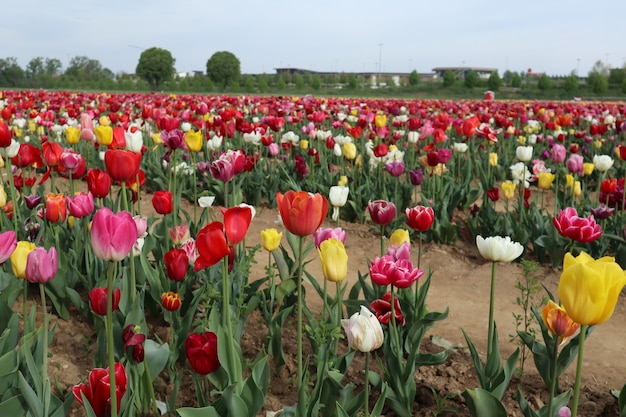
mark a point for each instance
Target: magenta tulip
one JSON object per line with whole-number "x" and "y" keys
{"x": 42, "y": 265}
{"x": 113, "y": 235}
{"x": 8, "y": 243}
{"x": 81, "y": 204}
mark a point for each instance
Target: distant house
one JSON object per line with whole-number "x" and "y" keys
{"x": 373, "y": 79}
{"x": 460, "y": 72}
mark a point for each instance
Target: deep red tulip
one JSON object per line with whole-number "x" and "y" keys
{"x": 176, "y": 264}
{"x": 302, "y": 213}
{"x": 381, "y": 212}
{"x": 133, "y": 340}
{"x": 122, "y": 165}
{"x": 382, "y": 309}
{"x": 5, "y": 133}
{"x": 420, "y": 218}
{"x": 98, "y": 300}
{"x": 28, "y": 156}
{"x": 162, "y": 201}
{"x": 201, "y": 351}
{"x": 98, "y": 182}
{"x": 493, "y": 194}
{"x": 98, "y": 390}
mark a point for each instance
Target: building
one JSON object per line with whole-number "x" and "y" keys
{"x": 460, "y": 72}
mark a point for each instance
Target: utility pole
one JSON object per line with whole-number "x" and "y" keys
{"x": 380, "y": 62}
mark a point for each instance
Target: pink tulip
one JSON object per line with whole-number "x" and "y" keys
{"x": 113, "y": 235}
{"x": 579, "y": 229}
{"x": 42, "y": 265}
{"x": 558, "y": 153}
{"x": 575, "y": 164}
{"x": 324, "y": 233}
{"x": 86, "y": 126}
{"x": 8, "y": 243}
{"x": 81, "y": 204}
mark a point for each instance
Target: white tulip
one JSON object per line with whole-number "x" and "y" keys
{"x": 498, "y": 248}
{"x": 364, "y": 331}
{"x": 206, "y": 201}
{"x": 524, "y": 153}
{"x": 460, "y": 147}
{"x": 338, "y": 195}
{"x": 602, "y": 162}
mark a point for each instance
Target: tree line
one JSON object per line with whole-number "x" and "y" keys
{"x": 155, "y": 71}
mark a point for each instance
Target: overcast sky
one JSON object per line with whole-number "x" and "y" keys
{"x": 555, "y": 37}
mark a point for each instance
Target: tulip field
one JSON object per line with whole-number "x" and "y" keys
{"x": 132, "y": 214}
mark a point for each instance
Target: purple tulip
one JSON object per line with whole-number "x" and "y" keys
{"x": 395, "y": 168}
{"x": 41, "y": 265}
{"x": 113, "y": 235}
{"x": 416, "y": 176}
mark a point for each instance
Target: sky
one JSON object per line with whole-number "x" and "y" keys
{"x": 545, "y": 36}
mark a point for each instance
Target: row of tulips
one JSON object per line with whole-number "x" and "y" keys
{"x": 448, "y": 156}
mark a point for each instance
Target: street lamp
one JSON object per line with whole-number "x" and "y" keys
{"x": 380, "y": 60}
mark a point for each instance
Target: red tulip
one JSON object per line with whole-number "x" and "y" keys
{"x": 302, "y": 213}
{"x": 176, "y": 264}
{"x": 201, "y": 351}
{"x": 493, "y": 194}
{"x": 72, "y": 163}
{"x": 52, "y": 152}
{"x": 133, "y": 340}
{"x": 56, "y": 209}
{"x": 5, "y": 134}
{"x": 98, "y": 183}
{"x": 98, "y": 390}
{"x": 236, "y": 223}
{"x": 171, "y": 301}
{"x": 420, "y": 218}
{"x": 211, "y": 245}
{"x": 381, "y": 212}
{"x": 122, "y": 165}
{"x": 28, "y": 156}
{"x": 162, "y": 201}
{"x": 382, "y": 309}
{"x": 113, "y": 235}
{"x": 98, "y": 300}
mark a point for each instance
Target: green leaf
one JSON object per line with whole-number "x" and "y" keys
{"x": 197, "y": 412}
{"x": 14, "y": 406}
{"x": 482, "y": 403}
{"x": 155, "y": 356}
{"x": 622, "y": 401}
{"x": 32, "y": 400}
{"x": 234, "y": 403}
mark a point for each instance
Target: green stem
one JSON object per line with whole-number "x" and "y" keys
{"x": 233, "y": 363}
{"x": 417, "y": 287}
{"x": 110, "y": 340}
{"x": 555, "y": 355}
{"x": 579, "y": 368}
{"x": 27, "y": 328}
{"x": 150, "y": 386}
{"x": 44, "y": 319}
{"x": 9, "y": 172}
{"x": 195, "y": 189}
{"x": 367, "y": 384}
{"x": 491, "y": 308}
{"x": 299, "y": 310}
{"x": 382, "y": 240}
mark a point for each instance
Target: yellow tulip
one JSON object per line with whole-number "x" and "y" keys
{"x": 104, "y": 135}
{"x": 104, "y": 121}
{"x": 589, "y": 288}
{"x": 493, "y": 159}
{"x": 72, "y": 134}
{"x": 17, "y": 132}
{"x": 569, "y": 180}
{"x": 588, "y": 168}
{"x": 32, "y": 126}
{"x": 399, "y": 236}
{"x": 3, "y": 197}
{"x": 521, "y": 140}
{"x": 597, "y": 143}
{"x": 19, "y": 256}
{"x": 334, "y": 260}
{"x": 359, "y": 161}
{"x": 270, "y": 239}
{"x": 193, "y": 140}
{"x": 156, "y": 137}
{"x": 577, "y": 190}
{"x": 1, "y": 162}
{"x": 393, "y": 148}
{"x": 304, "y": 144}
{"x": 349, "y": 151}
{"x": 508, "y": 190}
{"x": 343, "y": 180}
{"x": 545, "y": 180}
{"x": 380, "y": 120}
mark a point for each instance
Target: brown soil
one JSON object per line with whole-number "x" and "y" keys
{"x": 460, "y": 282}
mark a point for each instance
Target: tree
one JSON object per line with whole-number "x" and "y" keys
{"x": 571, "y": 83}
{"x": 617, "y": 76}
{"x": 494, "y": 82}
{"x": 448, "y": 79}
{"x": 352, "y": 81}
{"x": 597, "y": 82}
{"x": 53, "y": 66}
{"x": 223, "y": 68}
{"x": 155, "y": 66}
{"x": 316, "y": 83}
{"x": 35, "y": 68}
{"x": 516, "y": 80}
{"x": 471, "y": 79}
{"x": 11, "y": 74}
{"x": 414, "y": 78}
{"x": 544, "y": 83}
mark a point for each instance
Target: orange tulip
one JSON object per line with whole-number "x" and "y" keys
{"x": 302, "y": 213}
{"x": 558, "y": 322}
{"x": 56, "y": 207}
